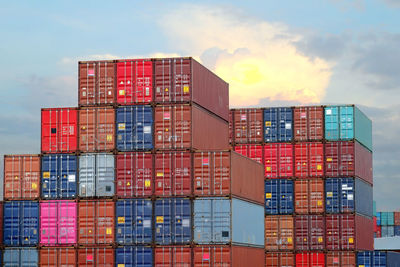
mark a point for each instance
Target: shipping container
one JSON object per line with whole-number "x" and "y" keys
{"x": 21, "y": 223}
{"x": 172, "y": 256}
{"x": 134, "y": 81}
{"x": 378, "y": 258}
{"x": 379, "y": 232}
{"x": 134, "y": 128}
{"x": 396, "y": 218}
{"x": 57, "y": 256}
{"x": 1, "y": 226}
{"x": 397, "y": 230}
{"x": 96, "y": 257}
{"x": 223, "y": 221}
{"x": 58, "y": 220}
{"x": 308, "y": 123}
{"x": 348, "y": 159}
{"x": 279, "y": 233}
{"x": 248, "y": 125}
{"x": 278, "y": 160}
{"x": 387, "y": 218}
{"x": 279, "y": 196}
{"x": 310, "y": 259}
{"x": 21, "y": 177}
{"x": 184, "y": 80}
{"x": 24, "y": 257}
{"x": 189, "y": 127}
{"x": 349, "y": 232}
{"x": 134, "y": 221}
{"x": 231, "y": 127}
{"x": 278, "y": 125}
{"x": 59, "y": 130}
{"x": 130, "y": 256}
{"x": 387, "y": 231}
{"x": 364, "y": 258}
{"x": 253, "y": 151}
{"x": 309, "y": 196}
{"x": 309, "y": 159}
{"x": 348, "y": 195}
{"x": 134, "y": 175}
{"x": 97, "y": 83}
{"x": 341, "y": 259}
{"x": 310, "y": 232}
{"x": 59, "y": 176}
{"x": 374, "y": 208}
{"x": 227, "y": 256}
{"x": 348, "y": 123}
{"x": 378, "y": 218}
{"x": 96, "y": 222}
{"x": 279, "y": 259}
{"x": 96, "y": 129}
{"x": 96, "y": 175}
{"x": 173, "y": 221}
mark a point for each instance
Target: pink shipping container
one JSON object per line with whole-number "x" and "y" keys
{"x": 248, "y": 126}
{"x": 308, "y": 123}
{"x": 309, "y": 159}
{"x": 58, "y": 222}
{"x": 278, "y": 160}
{"x": 255, "y": 152}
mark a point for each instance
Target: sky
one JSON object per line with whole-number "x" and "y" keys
{"x": 272, "y": 53}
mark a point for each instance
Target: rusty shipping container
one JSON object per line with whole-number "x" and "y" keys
{"x": 310, "y": 232}
{"x": 309, "y": 159}
{"x": 189, "y": 127}
{"x": 278, "y": 160}
{"x": 184, "y": 80}
{"x": 279, "y": 233}
{"x": 308, "y": 123}
{"x": 97, "y": 83}
{"x": 248, "y": 126}
{"x": 96, "y": 257}
{"x": 341, "y": 259}
{"x": 255, "y": 152}
{"x": 96, "y": 129}
{"x": 172, "y": 256}
{"x": 279, "y": 259}
{"x": 57, "y": 256}
{"x": 21, "y": 177}
{"x": 309, "y": 196}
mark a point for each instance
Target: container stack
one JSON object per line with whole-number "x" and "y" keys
{"x": 318, "y": 181}
{"x": 386, "y": 224}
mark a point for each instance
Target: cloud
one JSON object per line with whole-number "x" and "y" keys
{"x": 257, "y": 58}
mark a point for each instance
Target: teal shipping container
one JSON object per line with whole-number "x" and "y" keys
{"x": 347, "y": 122}
{"x": 387, "y": 218}
{"x": 374, "y": 208}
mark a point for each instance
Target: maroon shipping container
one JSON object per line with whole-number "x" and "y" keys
{"x": 348, "y": 159}
{"x": 189, "y": 127}
{"x": 255, "y": 152}
{"x": 349, "y": 232}
{"x": 134, "y": 175}
{"x": 57, "y": 256}
{"x": 279, "y": 259}
{"x": 310, "y": 259}
{"x": 278, "y": 160}
{"x": 172, "y": 256}
{"x": 310, "y": 232}
{"x": 341, "y": 259}
{"x": 308, "y": 123}
{"x": 309, "y": 159}
{"x": 97, "y": 83}
{"x": 96, "y": 257}
{"x": 309, "y": 196}
{"x": 279, "y": 233}
{"x": 248, "y": 126}
{"x": 397, "y": 218}
{"x": 184, "y": 80}
{"x": 228, "y": 256}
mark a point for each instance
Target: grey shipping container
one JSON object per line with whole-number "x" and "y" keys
{"x": 26, "y": 257}
{"x": 387, "y": 231}
{"x": 228, "y": 221}
{"x": 96, "y": 175}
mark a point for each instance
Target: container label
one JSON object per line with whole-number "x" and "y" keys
{"x": 109, "y": 137}
{"x": 121, "y": 126}
{"x": 121, "y": 265}
{"x": 68, "y": 130}
{"x": 185, "y": 222}
{"x": 351, "y": 240}
{"x": 46, "y": 175}
{"x": 206, "y": 256}
{"x": 147, "y": 129}
{"x": 268, "y": 195}
{"x": 71, "y": 178}
{"x": 90, "y": 72}
{"x": 328, "y": 112}
{"x": 319, "y": 203}
{"x": 320, "y": 239}
{"x": 186, "y": 89}
{"x": 121, "y": 92}
{"x": 289, "y": 240}
{"x": 205, "y": 162}
{"x": 345, "y": 187}
{"x": 350, "y": 197}
{"x": 319, "y": 167}
{"x": 288, "y": 126}
{"x": 267, "y": 123}
{"x": 303, "y": 115}
{"x": 167, "y": 116}
{"x": 160, "y": 219}
{"x": 329, "y": 194}
{"x": 121, "y": 219}
{"x": 146, "y": 223}
{"x": 34, "y": 185}
{"x": 268, "y": 169}
{"x": 160, "y": 174}
{"x": 147, "y": 183}
{"x": 89, "y": 257}
{"x": 109, "y": 231}
{"x": 328, "y": 159}
{"x": 243, "y": 117}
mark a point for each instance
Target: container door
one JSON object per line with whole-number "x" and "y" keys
{"x": 333, "y": 229}
{"x": 29, "y": 223}
{"x": 163, "y": 127}
{"x": 144, "y": 214}
{"x": 222, "y": 172}
{"x": 333, "y": 195}
{"x": 50, "y": 130}
{"x": 163, "y": 213}
{"x": 255, "y": 125}
{"x": 271, "y": 160}
{"x": 29, "y": 258}
{"x": 302, "y": 160}
{"x": 332, "y": 123}
{"x": 221, "y": 220}
{"x": 67, "y": 232}
{"x": 12, "y": 231}
{"x": 202, "y": 218}
{"x": 50, "y": 174}
{"x": 30, "y": 177}
{"x": 182, "y": 226}
{"x": 68, "y": 120}
{"x": 163, "y": 81}
{"x": 316, "y": 159}
{"x": 105, "y": 222}
{"x": 86, "y": 222}
{"x": 347, "y": 195}
{"x": 143, "y": 128}
{"x": 124, "y": 256}
{"x": 125, "y": 125}
{"x": 202, "y": 173}
{"x": 285, "y": 121}
{"x": 125, "y": 222}
{"x": 164, "y": 171}
{"x": 105, "y": 175}
{"x": 182, "y": 90}
{"x": 48, "y": 222}
{"x": 105, "y": 129}
{"x": 67, "y": 182}
{"x": 364, "y": 258}
{"x": 241, "y": 126}
{"x": 182, "y": 127}
{"x": 346, "y": 123}
{"x": 286, "y": 196}
{"x": 87, "y": 83}
{"x": 271, "y": 125}
{"x": 105, "y": 82}
{"x": 271, "y": 197}
{"x": 182, "y": 174}
{"x": 285, "y": 161}
{"x": 87, "y": 175}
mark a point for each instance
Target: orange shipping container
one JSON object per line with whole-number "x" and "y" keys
{"x": 21, "y": 177}
{"x": 279, "y": 232}
{"x": 340, "y": 259}
{"x": 279, "y": 259}
{"x": 57, "y": 256}
{"x": 397, "y": 218}
{"x": 308, "y": 123}
{"x": 309, "y": 196}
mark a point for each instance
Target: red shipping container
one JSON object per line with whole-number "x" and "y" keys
{"x": 349, "y": 232}
{"x": 378, "y": 232}
{"x": 255, "y": 152}
{"x": 375, "y": 225}
{"x": 341, "y": 259}
{"x": 228, "y": 256}
{"x": 397, "y": 218}
{"x": 309, "y": 259}
{"x": 57, "y": 256}
{"x": 310, "y": 232}
{"x": 308, "y": 123}
{"x": 189, "y": 127}
{"x": 279, "y": 233}
{"x": 173, "y": 174}
{"x": 248, "y": 126}
{"x": 134, "y": 81}
{"x": 96, "y": 222}
{"x": 309, "y": 196}
{"x": 134, "y": 175}
{"x": 172, "y": 256}
{"x": 309, "y": 159}
{"x": 348, "y": 159}
{"x": 279, "y": 259}
{"x": 96, "y": 257}
{"x": 96, "y": 83}
{"x": 184, "y": 80}
{"x": 278, "y": 160}
{"x": 96, "y": 129}
{"x": 59, "y": 130}
{"x": 21, "y": 177}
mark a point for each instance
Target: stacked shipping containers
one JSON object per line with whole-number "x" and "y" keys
{"x": 386, "y": 224}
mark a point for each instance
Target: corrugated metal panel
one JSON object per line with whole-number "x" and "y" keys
{"x": 308, "y": 123}
{"x": 309, "y": 196}
{"x": 134, "y": 256}
{"x": 279, "y": 259}
{"x": 278, "y": 160}
{"x": 56, "y": 256}
{"x": 387, "y": 218}
{"x": 134, "y": 128}
{"x": 173, "y": 256}
{"x": 392, "y": 258}
{"x": 309, "y": 159}
{"x": 96, "y": 257}
{"x": 26, "y": 257}
{"x": 279, "y": 196}
{"x": 310, "y": 232}
{"x": 279, "y": 233}
{"x": 278, "y": 125}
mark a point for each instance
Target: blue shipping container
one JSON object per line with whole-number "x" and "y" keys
{"x": 397, "y": 230}
{"x": 278, "y": 124}
{"x": 364, "y": 258}
{"x": 134, "y": 221}
{"x": 21, "y": 223}
{"x": 387, "y": 218}
{"x": 134, "y": 128}
{"x": 279, "y": 196}
{"x": 134, "y": 256}
{"x": 378, "y": 218}
{"x": 59, "y": 174}
{"x": 24, "y": 257}
{"x": 173, "y": 221}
